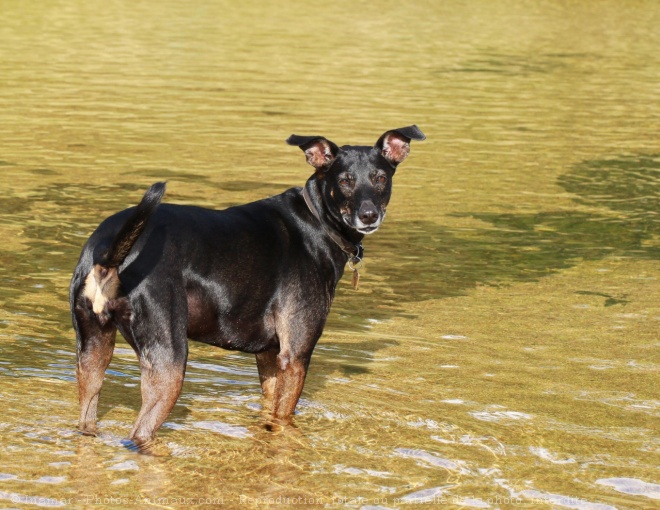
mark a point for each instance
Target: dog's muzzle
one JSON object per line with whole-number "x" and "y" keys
{"x": 368, "y": 218}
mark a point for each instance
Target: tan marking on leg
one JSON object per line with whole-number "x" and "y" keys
{"x": 267, "y": 366}
{"x": 90, "y": 371}
{"x": 289, "y": 386}
{"x": 160, "y": 390}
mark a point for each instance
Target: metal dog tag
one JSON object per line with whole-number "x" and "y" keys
{"x": 355, "y": 264}
{"x": 356, "y": 279}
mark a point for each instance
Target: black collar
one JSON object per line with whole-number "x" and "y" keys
{"x": 355, "y": 252}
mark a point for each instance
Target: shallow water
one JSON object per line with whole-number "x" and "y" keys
{"x": 502, "y": 349}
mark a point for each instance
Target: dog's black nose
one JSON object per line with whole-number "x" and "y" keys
{"x": 368, "y": 213}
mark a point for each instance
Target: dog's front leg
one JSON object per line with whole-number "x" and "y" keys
{"x": 267, "y": 366}
{"x": 291, "y": 372}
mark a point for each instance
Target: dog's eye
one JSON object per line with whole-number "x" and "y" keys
{"x": 381, "y": 179}
{"x": 344, "y": 182}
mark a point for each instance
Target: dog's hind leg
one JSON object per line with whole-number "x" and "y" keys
{"x": 162, "y": 347}
{"x": 161, "y": 384}
{"x": 95, "y": 345}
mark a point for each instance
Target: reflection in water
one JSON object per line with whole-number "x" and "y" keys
{"x": 516, "y": 65}
{"x": 629, "y": 186}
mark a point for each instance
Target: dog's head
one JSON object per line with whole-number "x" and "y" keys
{"x": 356, "y": 181}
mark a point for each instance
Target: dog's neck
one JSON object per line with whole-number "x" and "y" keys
{"x": 350, "y": 243}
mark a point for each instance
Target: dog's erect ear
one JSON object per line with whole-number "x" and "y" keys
{"x": 394, "y": 145}
{"x": 319, "y": 151}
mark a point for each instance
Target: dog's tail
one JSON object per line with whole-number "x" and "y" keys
{"x": 133, "y": 228}
{"x": 102, "y": 283}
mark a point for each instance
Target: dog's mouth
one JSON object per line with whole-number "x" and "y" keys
{"x": 357, "y": 225}
{"x": 367, "y": 230}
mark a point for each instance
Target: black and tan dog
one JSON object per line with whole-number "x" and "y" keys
{"x": 256, "y": 278}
